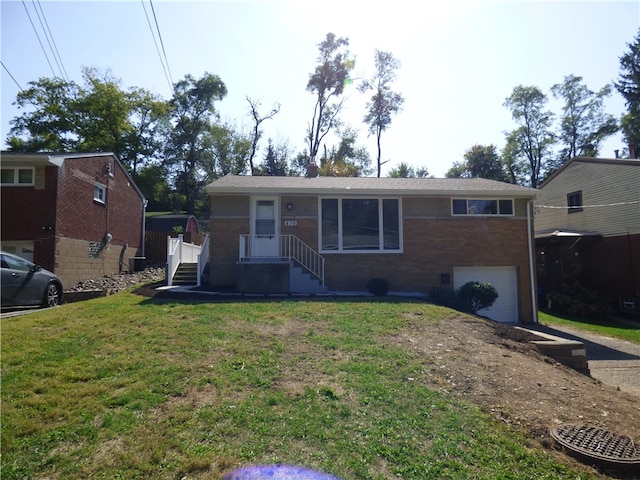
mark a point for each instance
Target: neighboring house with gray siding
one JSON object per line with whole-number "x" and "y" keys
{"x": 588, "y": 228}
{"x": 341, "y": 232}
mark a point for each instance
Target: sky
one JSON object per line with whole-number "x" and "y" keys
{"x": 460, "y": 59}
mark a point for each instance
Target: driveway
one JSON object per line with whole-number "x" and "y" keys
{"x": 612, "y": 361}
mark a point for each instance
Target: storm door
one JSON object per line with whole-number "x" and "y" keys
{"x": 264, "y": 235}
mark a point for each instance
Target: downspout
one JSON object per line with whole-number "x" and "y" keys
{"x": 534, "y": 309}
{"x": 145, "y": 202}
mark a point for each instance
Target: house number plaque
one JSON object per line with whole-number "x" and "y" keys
{"x": 290, "y": 223}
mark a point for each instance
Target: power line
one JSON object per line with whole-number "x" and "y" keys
{"x": 565, "y": 207}
{"x": 39, "y": 41}
{"x": 12, "y": 78}
{"x": 161, "y": 42}
{"x": 55, "y": 47}
{"x": 157, "y": 49}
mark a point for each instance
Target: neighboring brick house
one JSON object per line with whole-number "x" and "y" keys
{"x": 78, "y": 215}
{"x": 588, "y": 229}
{"x": 342, "y": 232}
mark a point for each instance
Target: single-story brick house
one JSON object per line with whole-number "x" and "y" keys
{"x": 342, "y": 232}
{"x": 79, "y": 215}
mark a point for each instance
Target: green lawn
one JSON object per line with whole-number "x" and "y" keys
{"x": 626, "y": 330}
{"x": 131, "y": 387}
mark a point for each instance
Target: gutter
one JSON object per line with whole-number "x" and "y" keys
{"x": 534, "y": 309}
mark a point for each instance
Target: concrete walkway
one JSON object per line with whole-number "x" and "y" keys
{"x": 613, "y": 361}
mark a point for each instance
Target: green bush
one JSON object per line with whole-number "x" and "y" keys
{"x": 445, "y": 296}
{"x": 579, "y": 301}
{"x": 474, "y": 296}
{"x": 377, "y": 286}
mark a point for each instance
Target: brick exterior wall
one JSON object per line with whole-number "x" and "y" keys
{"x": 434, "y": 243}
{"x": 29, "y": 214}
{"x": 68, "y": 226}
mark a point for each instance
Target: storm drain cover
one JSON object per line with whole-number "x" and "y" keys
{"x": 599, "y": 444}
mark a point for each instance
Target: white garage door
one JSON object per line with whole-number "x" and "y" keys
{"x": 504, "y": 279}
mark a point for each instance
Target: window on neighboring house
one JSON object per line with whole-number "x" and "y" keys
{"x": 17, "y": 176}
{"x": 99, "y": 192}
{"x": 360, "y": 224}
{"x": 574, "y": 201}
{"x": 481, "y": 206}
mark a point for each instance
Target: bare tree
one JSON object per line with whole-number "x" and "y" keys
{"x": 254, "y": 105}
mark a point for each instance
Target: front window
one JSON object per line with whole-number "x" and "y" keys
{"x": 17, "y": 176}
{"x": 481, "y": 206}
{"x": 360, "y": 224}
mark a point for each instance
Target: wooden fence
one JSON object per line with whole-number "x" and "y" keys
{"x": 156, "y": 244}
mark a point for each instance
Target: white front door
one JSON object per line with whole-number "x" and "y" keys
{"x": 264, "y": 235}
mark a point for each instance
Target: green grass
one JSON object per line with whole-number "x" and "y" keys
{"x": 629, "y": 330}
{"x": 130, "y": 387}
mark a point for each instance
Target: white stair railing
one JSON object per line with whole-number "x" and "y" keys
{"x": 179, "y": 251}
{"x": 203, "y": 259}
{"x": 290, "y": 247}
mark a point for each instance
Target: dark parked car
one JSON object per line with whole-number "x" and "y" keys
{"x": 27, "y": 284}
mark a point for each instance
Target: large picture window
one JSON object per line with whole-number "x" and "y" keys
{"x": 360, "y": 224}
{"x": 481, "y": 206}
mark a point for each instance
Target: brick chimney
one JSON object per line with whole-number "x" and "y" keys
{"x": 312, "y": 170}
{"x": 632, "y": 150}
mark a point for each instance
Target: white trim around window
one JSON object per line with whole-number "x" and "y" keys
{"x": 503, "y": 207}
{"x": 360, "y": 224}
{"x": 18, "y": 176}
{"x": 99, "y": 192}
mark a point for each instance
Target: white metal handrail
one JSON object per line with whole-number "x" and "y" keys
{"x": 179, "y": 251}
{"x": 290, "y": 247}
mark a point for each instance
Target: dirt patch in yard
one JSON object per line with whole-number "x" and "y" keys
{"x": 493, "y": 366}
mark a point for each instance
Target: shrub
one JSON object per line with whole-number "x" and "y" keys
{"x": 579, "y": 301}
{"x": 474, "y": 296}
{"x": 377, "y": 286}
{"x": 445, "y": 296}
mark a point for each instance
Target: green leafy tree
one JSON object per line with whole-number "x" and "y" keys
{"x": 98, "y": 116}
{"x": 628, "y": 85}
{"x": 480, "y": 162}
{"x": 347, "y": 159}
{"x": 404, "y": 170}
{"x": 583, "y": 124}
{"x": 189, "y": 148}
{"x": 515, "y": 169}
{"x": 534, "y": 137}
{"x": 48, "y": 123}
{"x": 327, "y": 83}
{"x": 231, "y": 150}
{"x": 151, "y": 180}
{"x": 384, "y": 103}
{"x": 276, "y": 161}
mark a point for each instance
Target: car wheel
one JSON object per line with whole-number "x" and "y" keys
{"x": 51, "y": 296}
